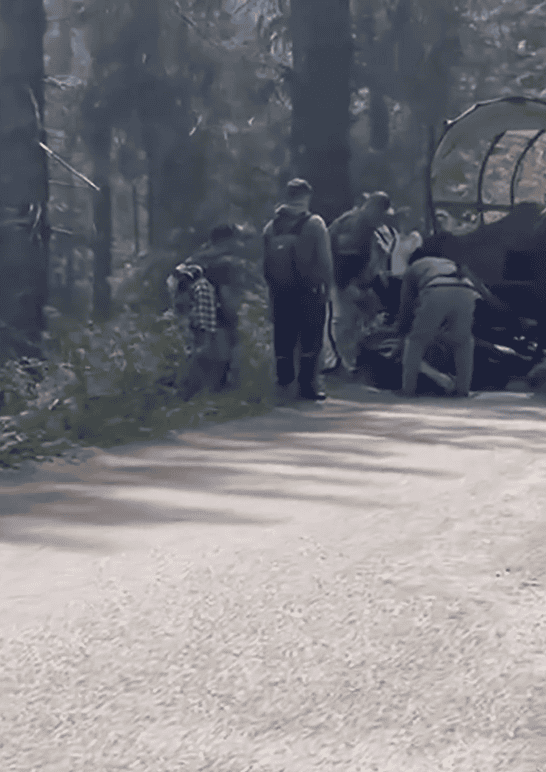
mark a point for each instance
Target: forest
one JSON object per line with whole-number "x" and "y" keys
{"x": 130, "y": 129}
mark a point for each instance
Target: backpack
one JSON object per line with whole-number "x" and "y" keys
{"x": 280, "y": 269}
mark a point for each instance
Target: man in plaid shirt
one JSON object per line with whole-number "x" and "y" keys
{"x": 194, "y": 298}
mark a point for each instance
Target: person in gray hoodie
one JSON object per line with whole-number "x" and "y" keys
{"x": 299, "y": 272}
{"x": 437, "y": 302}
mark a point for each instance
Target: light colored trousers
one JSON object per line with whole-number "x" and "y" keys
{"x": 446, "y": 314}
{"x": 346, "y": 325}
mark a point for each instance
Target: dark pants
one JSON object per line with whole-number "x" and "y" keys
{"x": 297, "y": 317}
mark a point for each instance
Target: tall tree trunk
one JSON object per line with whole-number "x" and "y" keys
{"x": 102, "y": 217}
{"x": 430, "y": 218}
{"x": 322, "y": 56}
{"x": 59, "y": 62}
{"x": 379, "y": 121}
{"x": 60, "y": 52}
{"x": 24, "y": 231}
{"x": 164, "y": 109}
{"x": 98, "y": 137}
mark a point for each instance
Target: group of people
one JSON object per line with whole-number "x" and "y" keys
{"x": 319, "y": 279}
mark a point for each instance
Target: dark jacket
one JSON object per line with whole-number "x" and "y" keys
{"x": 353, "y": 240}
{"x": 350, "y": 232}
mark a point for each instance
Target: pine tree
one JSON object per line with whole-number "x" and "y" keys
{"x": 24, "y": 232}
{"x": 322, "y": 55}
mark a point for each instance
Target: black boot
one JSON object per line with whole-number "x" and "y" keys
{"x": 308, "y": 365}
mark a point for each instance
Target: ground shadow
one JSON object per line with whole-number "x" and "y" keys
{"x": 257, "y": 471}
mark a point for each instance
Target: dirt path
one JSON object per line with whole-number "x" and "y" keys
{"x": 357, "y": 585}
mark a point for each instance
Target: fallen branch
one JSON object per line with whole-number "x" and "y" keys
{"x": 66, "y": 184}
{"x": 70, "y": 168}
{"x": 62, "y": 230}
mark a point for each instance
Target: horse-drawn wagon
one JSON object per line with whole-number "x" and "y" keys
{"x": 486, "y": 184}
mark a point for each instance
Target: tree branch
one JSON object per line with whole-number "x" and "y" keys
{"x": 70, "y": 168}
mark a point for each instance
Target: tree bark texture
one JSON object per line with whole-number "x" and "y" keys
{"x": 162, "y": 104}
{"x": 379, "y": 121}
{"x": 24, "y": 230}
{"x": 102, "y": 218}
{"x": 60, "y": 53}
{"x": 322, "y": 56}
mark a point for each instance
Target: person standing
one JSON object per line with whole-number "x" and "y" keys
{"x": 299, "y": 273}
{"x": 194, "y": 299}
{"x": 360, "y": 257}
{"x": 438, "y": 299}
{"x": 227, "y": 272}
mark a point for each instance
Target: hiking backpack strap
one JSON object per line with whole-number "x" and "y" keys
{"x": 280, "y": 265}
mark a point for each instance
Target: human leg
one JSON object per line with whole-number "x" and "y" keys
{"x": 427, "y": 322}
{"x": 313, "y": 316}
{"x": 285, "y": 335}
{"x": 459, "y": 334}
{"x": 414, "y": 351}
{"x": 330, "y": 359}
{"x": 345, "y": 327}
{"x": 464, "y": 365}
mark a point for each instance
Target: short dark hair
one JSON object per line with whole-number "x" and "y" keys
{"x": 439, "y": 245}
{"x": 189, "y": 272}
{"x": 297, "y": 188}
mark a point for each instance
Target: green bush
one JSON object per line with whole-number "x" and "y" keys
{"x": 113, "y": 383}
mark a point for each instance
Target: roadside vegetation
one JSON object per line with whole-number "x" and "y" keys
{"x": 117, "y": 382}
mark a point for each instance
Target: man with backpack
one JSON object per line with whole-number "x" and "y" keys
{"x": 299, "y": 273}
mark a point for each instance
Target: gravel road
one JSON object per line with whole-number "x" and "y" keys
{"x": 353, "y": 586}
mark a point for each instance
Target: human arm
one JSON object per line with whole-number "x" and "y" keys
{"x": 317, "y": 239}
{"x": 408, "y": 296}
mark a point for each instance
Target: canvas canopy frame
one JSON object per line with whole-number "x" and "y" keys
{"x": 487, "y": 121}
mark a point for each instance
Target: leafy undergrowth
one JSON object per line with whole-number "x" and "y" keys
{"x": 116, "y": 383}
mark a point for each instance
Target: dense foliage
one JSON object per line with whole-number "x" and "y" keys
{"x": 113, "y": 383}
{"x": 183, "y": 108}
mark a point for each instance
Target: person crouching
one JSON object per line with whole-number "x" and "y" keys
{"x": 437, "y": 303}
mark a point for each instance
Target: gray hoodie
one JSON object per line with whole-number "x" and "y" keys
{"x": 314, "y": 253}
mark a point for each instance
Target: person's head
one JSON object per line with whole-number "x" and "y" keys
{"x": 298, "y": 192}
{"x": 439, "y": 245}
{"x": 186, "y": 275}
{"x": 376, "y": 208}
{"x": 188, "y": 272}
{"x": 361, "y": 199}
